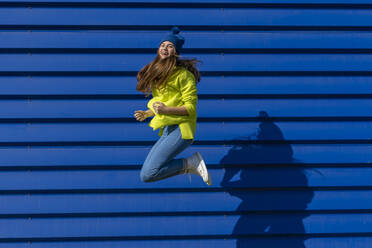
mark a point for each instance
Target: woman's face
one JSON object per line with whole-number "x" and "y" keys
{"x": 166, "y": 49}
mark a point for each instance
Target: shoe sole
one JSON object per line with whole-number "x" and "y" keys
{"x": 209, "y": 180}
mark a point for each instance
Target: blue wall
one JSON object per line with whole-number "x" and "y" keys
{"x": 284, "y": 124}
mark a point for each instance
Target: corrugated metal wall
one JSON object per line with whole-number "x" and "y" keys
{"x": 284, "y": 123}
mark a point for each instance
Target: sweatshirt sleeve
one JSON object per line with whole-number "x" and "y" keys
{"x": 189, "y": 93}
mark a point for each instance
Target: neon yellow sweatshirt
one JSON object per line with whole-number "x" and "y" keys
{"x": 180, "y": 90}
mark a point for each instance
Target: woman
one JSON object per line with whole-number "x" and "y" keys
{"x": 172, "y": 82}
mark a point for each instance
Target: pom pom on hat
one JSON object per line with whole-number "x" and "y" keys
{"x": 176, "y": 30}
{"x": 175, "y": 38}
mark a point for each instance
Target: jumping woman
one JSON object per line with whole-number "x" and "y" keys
{"x": 172, "y": 83}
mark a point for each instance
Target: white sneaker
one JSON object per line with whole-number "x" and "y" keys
{"x": 195, "y": 165}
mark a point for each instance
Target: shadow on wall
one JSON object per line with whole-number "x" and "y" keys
{"x": 267, "y": 224}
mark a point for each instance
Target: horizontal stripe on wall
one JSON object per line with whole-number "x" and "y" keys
{"x": 351, "y": 2}
{"x": 211, "y": 62}
{"x": 206, "y": 40}
{"x": 249, "y": 86}
{"x": 294, "y": 177}
{"x": 280, "y": 224}
{"x": 54, "y": 156}
{"x": 180, "y": 16}
{"x": 78, "y": 204}
{"x": 267, "y": 242}
{"x": 207, "y": 131}
{"x": 207, "y": 108}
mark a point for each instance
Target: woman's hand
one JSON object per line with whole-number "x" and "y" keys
{"x": 160, "y": 108}
{"x": 140, "y": 115}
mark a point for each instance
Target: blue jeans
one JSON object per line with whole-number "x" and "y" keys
{"x": 160, "y": 162}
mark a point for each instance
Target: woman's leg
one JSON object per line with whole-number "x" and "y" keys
{"x": 146, "y": 167}
{"x": 160, "y": 162}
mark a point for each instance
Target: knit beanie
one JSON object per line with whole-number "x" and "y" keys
{"x": 175, "y": 38}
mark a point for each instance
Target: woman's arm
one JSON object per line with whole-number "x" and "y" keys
{"x": 177, "y": 110}
{"x": 189, "y": 93}
{"x": 160, "y": 108}
{"x": 149, "y": 113}
{"x": 141, "y": 115}
{"x": 189, "y": 98}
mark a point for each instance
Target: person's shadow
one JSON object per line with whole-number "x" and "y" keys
{"x": 269, "y": 207}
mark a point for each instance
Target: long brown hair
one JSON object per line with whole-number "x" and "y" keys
{"x": 155, "y": 73}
